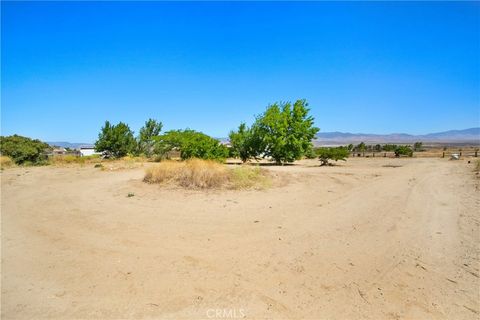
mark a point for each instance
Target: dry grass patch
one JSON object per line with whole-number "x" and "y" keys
{"x": 68, "y": 159}
{"x": 6, "y": 162}
{"x": 250, "y": 178}
{"x": 206, "y": 174}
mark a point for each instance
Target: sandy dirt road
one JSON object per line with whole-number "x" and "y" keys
{"x": 361, "y": 240}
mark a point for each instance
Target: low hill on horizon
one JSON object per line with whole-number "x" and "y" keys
{"x": 471, "y": 135}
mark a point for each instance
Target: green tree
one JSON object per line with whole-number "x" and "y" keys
{"x": 325, "y": 154}
{"x": 417, "y": 146}
{"x": 361, "y": 147}
{"x": 191, "y": 144}
{"x": 389, "y": 147}
{"x": 403, "y": 151}
{"x": 244, "y": 143}
{"x": 115, "y": 140}
{"x": 24, "y": 150}
{"x": 146, "y": 136}
{"x": 284, "y": 132}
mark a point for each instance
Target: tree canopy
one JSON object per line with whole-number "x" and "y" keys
{"x": 115, "y": 140}
{"x": 191, "y": 144}
{"x": 23, "y": 150}
{"x": 283, "y": 132}
{"x": 146, "y": 137}
{"x": 244, "y": 143}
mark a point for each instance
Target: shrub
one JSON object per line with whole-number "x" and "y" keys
{"x": 23, "y": 150}
{"x": 403, "y": 151}
{"x": 325, "y": 154}
{"x": 6, "y": 162}
{"x": 311, "y": 153}
{"x": 389, "y": 147}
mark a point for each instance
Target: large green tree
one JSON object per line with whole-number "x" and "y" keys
{"x": 115, "y": 140}
{"x": 146, "y": 136}
{"x": 23, "y": 150}
{"x": 284, "y": 131}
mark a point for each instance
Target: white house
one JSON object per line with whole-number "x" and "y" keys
{"x": 88, "y": 151}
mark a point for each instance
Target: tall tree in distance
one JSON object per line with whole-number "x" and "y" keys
{"x": 115, "y": 140}
{"x": 146, "y": 136}
{"x": 417, "y": 146}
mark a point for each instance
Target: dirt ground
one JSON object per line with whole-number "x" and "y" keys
{"x": 367, "y": 239}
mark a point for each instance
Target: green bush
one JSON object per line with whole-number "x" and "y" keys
{"x": 326, "y": 154}
{"x": 389, "y": 147}
{"x": 24, "y": 150}
{"x": 311, "y": 153}
{"x": 403, "y": 151}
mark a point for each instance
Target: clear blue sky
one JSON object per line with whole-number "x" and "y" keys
{"x": 376, "y": 67}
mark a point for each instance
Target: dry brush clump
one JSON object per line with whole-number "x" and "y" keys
{"x": 6, "y": 162}
{"x": 206, "y": 174}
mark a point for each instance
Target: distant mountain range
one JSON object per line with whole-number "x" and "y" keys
{"x": 452, "y": 136}
{"x": 471, "y": 135}
{"x": 71, "y": 145}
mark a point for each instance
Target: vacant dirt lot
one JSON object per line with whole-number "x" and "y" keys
{"x": 358, "y": 240}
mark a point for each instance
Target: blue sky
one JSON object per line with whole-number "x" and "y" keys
{"x": 374, "y": 67}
